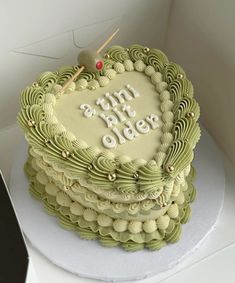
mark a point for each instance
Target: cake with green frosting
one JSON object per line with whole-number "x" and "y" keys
{"x": 110, "y": 156}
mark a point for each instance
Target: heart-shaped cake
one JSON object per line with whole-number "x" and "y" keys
{"x": 111, "y": 155}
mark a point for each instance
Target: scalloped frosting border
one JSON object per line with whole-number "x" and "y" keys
{"x": 130, "y": 235}
{"x": 91, "y": 198}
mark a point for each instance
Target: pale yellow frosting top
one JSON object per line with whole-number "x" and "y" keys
{"x": 92, "y": 129}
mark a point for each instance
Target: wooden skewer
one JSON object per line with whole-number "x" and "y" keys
{"x": 107, "y": 41}
{"x": 72, "y": 78}
{"x": 83, "y": 67}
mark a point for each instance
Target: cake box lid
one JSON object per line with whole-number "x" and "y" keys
{"x": 16, "y": 265}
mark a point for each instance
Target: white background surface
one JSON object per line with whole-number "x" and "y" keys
{"x": 88, "y": 258}
{"x": 199, "y": 35}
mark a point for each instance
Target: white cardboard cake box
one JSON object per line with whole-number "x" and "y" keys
{"x": 16, "y": 265}
{"x": 43, "y": 35}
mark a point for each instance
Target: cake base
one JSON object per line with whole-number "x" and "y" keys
{"x": 88, "y": 258}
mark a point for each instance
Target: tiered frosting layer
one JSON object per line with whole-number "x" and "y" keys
{"x": 94, "y": 222}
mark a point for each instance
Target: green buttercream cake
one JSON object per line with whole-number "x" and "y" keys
{"x": 110, "y": 156}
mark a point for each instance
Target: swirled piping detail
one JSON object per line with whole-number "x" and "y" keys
{"x": 100, "y": 170}
{"x": 125, "y": 181}
{"x": 42, "y": 134}
{"x": 185, "y": 106}
{"x": 47, "y": 80}
{"x": 30, "y": 116}
{"x": 157, "y": 59}
{"x": 150, "y": 178}
{"x": 87, "y": 196}
{"x": 62, "y": 143}
{"x": 31, "y": 95}
{"x": 64, "y": 74}
{"x": 59, "y": 148}
{"x": 187, "y": 129}
{"x": 172, "y": 71}
{"x": 81, "y": 161}
{"x": 180, "y": 88}
{"x": 117, "y": 53}
{"x": 78, "y": 189}
{"x": 179, "y": 155}
{"x": 87, "y": 76}
{"x": 136, "y": 52}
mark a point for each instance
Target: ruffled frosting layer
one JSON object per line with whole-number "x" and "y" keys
{"x": 131, "y": 235}
{"x": 112, "y": 202}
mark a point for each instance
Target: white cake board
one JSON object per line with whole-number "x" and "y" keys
{"x": 89, "y": 258}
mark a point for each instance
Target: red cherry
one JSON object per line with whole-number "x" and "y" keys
{"x": 99, "y": 65}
